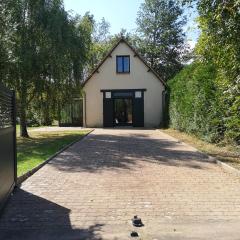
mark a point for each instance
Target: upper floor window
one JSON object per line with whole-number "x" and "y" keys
{"x": 123, "y": 64}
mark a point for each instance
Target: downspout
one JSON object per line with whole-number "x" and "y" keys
{"x": 164, "y": 93}
{"x": 84, "y": 110}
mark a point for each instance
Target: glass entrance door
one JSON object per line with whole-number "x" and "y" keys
{"x": 123, "y": 111}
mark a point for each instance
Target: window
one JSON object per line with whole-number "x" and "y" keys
{"x": 138, "y": 94}
{"x": 122, "y": 94}
{"x": 123, "y": 64}
{"x": 108, "y": 94}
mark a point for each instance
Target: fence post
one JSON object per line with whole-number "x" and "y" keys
{"x": 14, "y": 135}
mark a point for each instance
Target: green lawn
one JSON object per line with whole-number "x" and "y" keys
{"x": 18, "y": 129}
{"x": 41, "y": 145}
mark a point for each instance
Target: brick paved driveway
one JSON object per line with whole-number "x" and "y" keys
{"x": 93, "y": 189}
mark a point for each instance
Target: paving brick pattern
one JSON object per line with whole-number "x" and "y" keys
{"x": 94, "y": 188}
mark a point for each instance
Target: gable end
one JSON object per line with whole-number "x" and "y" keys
{"x": 135, "y": 55}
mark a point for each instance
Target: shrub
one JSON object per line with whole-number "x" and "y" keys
{"x": 194, "y": 102}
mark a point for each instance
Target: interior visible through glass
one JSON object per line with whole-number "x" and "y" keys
{"x": 123, "y": 111}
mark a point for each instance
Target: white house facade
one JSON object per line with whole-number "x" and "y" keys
{"x": 123, "y": 91}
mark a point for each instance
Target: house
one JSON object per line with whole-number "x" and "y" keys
{"x": 123, "y": 90}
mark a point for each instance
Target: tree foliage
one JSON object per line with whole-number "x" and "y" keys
{"x": 100, "y": 43}
{"x": 194, "y": 102}
{"x": 46, "y": 52}
{"x": 218, "y": 48}
{"x": 219, "y": 43}
{"x": 161, "y": 38}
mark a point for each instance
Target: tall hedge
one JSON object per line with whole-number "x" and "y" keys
{"x": 194, "y": 105}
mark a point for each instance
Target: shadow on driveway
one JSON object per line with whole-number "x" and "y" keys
{"x": 100, "y": 152}
{"x": 28, "y": 217}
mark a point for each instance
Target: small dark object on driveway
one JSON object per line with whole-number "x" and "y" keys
{"x": 137, "y": 222}
{"x": 134, "y": 234}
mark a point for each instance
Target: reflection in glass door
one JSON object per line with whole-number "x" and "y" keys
{"x": 123, "y": 111}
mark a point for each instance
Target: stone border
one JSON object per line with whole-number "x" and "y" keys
{"x": 227, "y": 168}
{"x": 28, "y": 174}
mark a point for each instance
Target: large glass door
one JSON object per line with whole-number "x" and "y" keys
{"x": 123, "y": 111}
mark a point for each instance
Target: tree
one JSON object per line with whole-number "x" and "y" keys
{"x": 6, "y": 30}
{"x": 46, "y": 54}
{"x": 23, "y": 16}
{"x": 161, "y": 37}
{"x": 219, "y": 22}
{"x": 101, "y": 31}
{"x": 218, "y": 48}
{"x": 68, "y": 47}
{"x": 100, "y": 43}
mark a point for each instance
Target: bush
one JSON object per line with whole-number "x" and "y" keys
{"x": 194, "y": 105}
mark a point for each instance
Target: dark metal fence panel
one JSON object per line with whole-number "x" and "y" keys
{"x": 8, "y": 170}
{"x": 72, "y": 113}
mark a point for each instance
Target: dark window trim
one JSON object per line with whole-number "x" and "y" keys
{"x": 124, "y": 90}
{"x": 142, "y": 90}
{"x": 122, "y": 56}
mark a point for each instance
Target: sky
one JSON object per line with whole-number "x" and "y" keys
{"x": 123, "y": 14}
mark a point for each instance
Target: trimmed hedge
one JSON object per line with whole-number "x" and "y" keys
{"x": 194, "y": 105}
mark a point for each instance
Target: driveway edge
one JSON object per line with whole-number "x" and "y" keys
{"x": 28, "y": 174}
{"x": 227, "y": 168}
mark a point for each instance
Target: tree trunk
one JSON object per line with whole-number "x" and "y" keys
{"x": 23, "y": 124}
{"x": 58, "y": 114}
{"x": 23, "y": 110}
{"x": 47, "y": 121}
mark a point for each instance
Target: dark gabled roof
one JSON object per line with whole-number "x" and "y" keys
{"x": 136, "y": 54}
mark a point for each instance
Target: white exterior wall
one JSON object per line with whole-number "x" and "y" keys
{"x": 139, "y": 78}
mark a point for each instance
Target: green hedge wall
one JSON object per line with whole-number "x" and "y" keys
{"x": 194, "y": 105}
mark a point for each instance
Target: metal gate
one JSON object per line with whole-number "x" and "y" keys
{"x": 8, "y": 162}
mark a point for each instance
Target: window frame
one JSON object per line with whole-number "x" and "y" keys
{"x": 122, "y": 56}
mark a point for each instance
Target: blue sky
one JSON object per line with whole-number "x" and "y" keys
{"x": 121, "y": 14}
